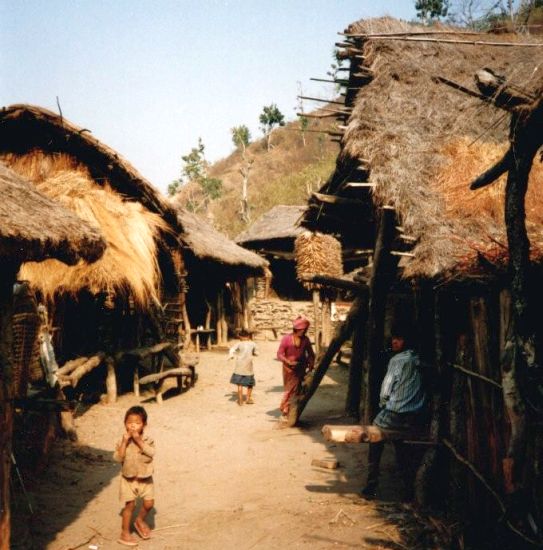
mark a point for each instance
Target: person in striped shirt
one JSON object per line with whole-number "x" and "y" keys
{"x": 402, "y": 402}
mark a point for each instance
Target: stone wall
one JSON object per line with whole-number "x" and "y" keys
{"x": 280, "y": 313}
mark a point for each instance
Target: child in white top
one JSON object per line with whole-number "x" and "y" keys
{"x": 243, "y": 375}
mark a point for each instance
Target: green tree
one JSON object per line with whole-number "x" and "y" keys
{"x": 241, "y": 136}
{"x": 270, "y": 118}
{"x": 194, "y": 173}
{"x": 427, "y": 10}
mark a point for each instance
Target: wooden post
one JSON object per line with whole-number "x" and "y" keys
{"x": 8, "y": 270}
{"x": 111, "y": 381}
{"x": 354, "y": 390}
{"x": 316, "y": 324}
{"x": 424, "y": 487}
{"x": 343, "y": 332}
{"x": 218, "y": 324}
{"x": 457, "y": 428}
{"x": 245, "y": 305}
{"x": 326, "y": 321}
{"x": 513, "y": 402}
{"x": 136, "y": 382}
{"x": 383, "y": 272}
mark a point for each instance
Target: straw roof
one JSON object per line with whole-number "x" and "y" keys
{"x": 129, "y": 263}
{"x": 34, "y": 227}
{"x": 25, "y": 128}
{"x": 206, "y": 243}
{"x": 278, "y": 223}
{"x": 422, "y": 142}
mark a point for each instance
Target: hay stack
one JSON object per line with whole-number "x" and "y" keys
{"x": 317, "y": 254}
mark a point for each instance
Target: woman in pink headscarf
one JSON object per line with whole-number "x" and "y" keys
{"x": 297, "y": 356}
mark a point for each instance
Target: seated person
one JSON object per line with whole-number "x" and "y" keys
{"x": 403, "y": 408}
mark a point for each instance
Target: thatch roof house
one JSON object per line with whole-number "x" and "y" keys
{"x": 32, "y": 228}
{"x": 217, "y": 271}
{"x": 413, "y": 143}
{"x": 415, "y": 131}
{"x": 273, "y": 235}
{"x": 208, "y": 245}
{"x": 275, "y": 231}
{"x": 69, "y": 165}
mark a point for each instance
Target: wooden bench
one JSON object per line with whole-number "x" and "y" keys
{"x": 185, "y": 377}
{"x": 372, "y": 434}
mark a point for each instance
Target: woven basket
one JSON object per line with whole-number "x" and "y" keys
{"x": 26, "y": 351}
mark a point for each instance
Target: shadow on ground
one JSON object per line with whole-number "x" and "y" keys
{"x": 64, "y": 479}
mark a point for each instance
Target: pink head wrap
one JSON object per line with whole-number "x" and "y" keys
{"x": 300, "y": 323}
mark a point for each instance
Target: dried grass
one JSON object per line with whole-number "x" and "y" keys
{"x": 403, "y": 122}
{"x": 317, "y": 254}
{"x": 129, "y": 264}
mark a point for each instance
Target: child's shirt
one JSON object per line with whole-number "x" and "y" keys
{"x": 243, "y": 353}
{"x": 137, "y": 462}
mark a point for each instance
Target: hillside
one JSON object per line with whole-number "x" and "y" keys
{"x": 286, "y": 174}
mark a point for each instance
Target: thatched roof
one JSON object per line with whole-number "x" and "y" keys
{"x": 278, "y": 223}
{"x": 206, "y": 243}
{"x": 129, "y": 263}
{"x": 34, "y": 227}
{"x": 421, "y": 143}
{"x": 25, "y": 128}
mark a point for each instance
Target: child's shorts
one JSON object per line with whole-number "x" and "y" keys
{"x": 132, "y": 488}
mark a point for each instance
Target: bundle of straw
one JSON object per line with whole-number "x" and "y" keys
{"x": 317, "y": 254}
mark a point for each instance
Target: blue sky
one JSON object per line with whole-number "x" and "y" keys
{"x": 150, "y": 77}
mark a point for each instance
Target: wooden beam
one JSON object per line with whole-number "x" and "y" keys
{"x": 310, "y": 115}
{"x": 333, "y": 199}
{"x": 466, "y": 42}
{"x": 321, "y": 100}
{"x": 424, "y": 33}
{"x": 355, "y": 184}
{"x": 340, "y": 81}
{"x": 463, "y": 89}
{"x": 335, "y": 282}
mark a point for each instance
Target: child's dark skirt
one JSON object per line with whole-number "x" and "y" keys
{"x": 247, "y": 380}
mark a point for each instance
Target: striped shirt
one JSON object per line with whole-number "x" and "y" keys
{"x": 401, "y": 390}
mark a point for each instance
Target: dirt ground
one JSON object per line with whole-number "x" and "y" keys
{"x": 226, "y": 476}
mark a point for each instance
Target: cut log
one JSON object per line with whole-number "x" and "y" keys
{"x": 180, "y": 371}
{"x": 71, "y": 365}
{"x": 328, "y": 463}
{"x": 369, "y": 434}
{"x": 83, "y": 369}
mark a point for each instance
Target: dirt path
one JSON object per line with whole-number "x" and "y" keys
{"x": 226, "y": 476}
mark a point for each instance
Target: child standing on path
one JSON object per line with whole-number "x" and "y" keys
{"x": 243, "y": 374}
{"x": 135, "y": 452}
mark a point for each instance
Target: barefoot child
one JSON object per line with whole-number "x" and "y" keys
{"x": 135, "y": 452}
{"x": 243, "y": 374}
